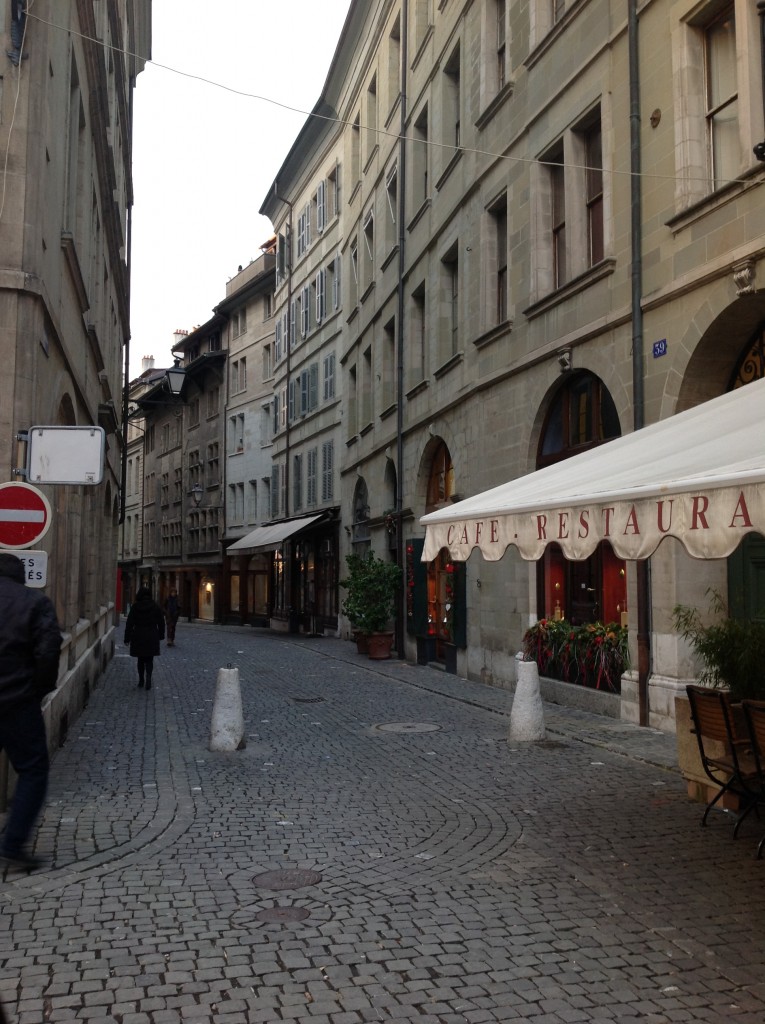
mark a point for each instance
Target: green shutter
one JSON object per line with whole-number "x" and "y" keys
{"x": 459, "y": 621}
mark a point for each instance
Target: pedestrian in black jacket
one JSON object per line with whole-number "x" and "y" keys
{"x": 30, "y": 645}
{"x": 144, "y": 628}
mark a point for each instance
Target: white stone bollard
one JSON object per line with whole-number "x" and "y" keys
{"x": 227, "y": 730}
{"x": 526, "y": 715}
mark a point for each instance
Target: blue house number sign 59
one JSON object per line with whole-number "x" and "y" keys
{"x": 660, "y": 348}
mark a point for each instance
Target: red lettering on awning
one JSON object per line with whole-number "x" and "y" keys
{"x": 632, "y": 525}
{"x": 660, "y": 515}
{"x": 563, "y": 526}
{"x": 741, "y": 512}
{"x": 700, "y": 506}
{"x": 584, "y": 525}
{"x": 494, "y": 531}
{"x": 607, "y": 513}
{"x": 541, "y": 527}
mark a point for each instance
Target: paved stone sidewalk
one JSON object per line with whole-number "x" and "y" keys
{"x": 377, "y": 852}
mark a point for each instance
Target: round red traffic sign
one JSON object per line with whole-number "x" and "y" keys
{"x": 25, "y": 515}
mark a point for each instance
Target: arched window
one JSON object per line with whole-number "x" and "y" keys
{"x": 582, "y": 415}
{"x": 441, "y": 478}
{"x": 361, "y": 532}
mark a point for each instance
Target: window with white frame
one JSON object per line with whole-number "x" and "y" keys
{"x": 337, "y": 283}
{"x": 390, "y": 218}
{"x": 278, "y": 342}
{"x": 389, "y": 364}
{"x": 319, "y": 285}
{"x": 305, "y": 311}
{"x": 292, "y": 330}
{"x": 716, "y": 56}
{"x": 267, "y": 362}
{"x": 333, "y": 191}
{"x": 367, "y": 275}
{"x": 283, "y": 407}
{"x": 496, "y": 254}
{"x": 418, "y": 337}
{"x": 353, "y": 276}
{"x": 321, "y": 206}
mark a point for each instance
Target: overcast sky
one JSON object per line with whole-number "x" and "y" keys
{"x": 204, "y": 158}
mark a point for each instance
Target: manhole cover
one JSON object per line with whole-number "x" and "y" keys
{"x": 408, "y": 727}
{"x": 282, "y": 914}
{"x": 289, "y": 878}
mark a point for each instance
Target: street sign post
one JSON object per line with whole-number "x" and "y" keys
{"x": 25, "y": 515}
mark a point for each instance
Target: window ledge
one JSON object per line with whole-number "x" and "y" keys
{"x": 365, "y": 429}
{"x": 420, "y": 386}
{"x": 450, "y": 363}
{"x": 352, "y": 441}
{"x": 353, "y": 314}
{"x": 455, "y": 159}
{"x": 388, "y": 411}
{"x": 418, "y": 215}
{"x": 394, "y": 107}
{"x": 421, "y": 47}
{"x": 354, "y": 190}
{"x": 389, "y": 258}
{"x": 371, "y": 157}
{"x": 368, "y": 291}
{"x": 578, "y": 284}
{"x": 552, "y": 35}
{"x": 713, "y": 200}
{"x": 498, "y": 331}
{"x": 488, "y": 113}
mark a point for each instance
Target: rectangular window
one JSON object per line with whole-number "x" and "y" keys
{"x": 311, "y": 476}
{"x": 501, "y": 15}
{"x": 593, "y": 148}
{"x": 369, "y": 249}
{"x": 297, "y": 483}
{"x": 336, "y": 283}
{"x": 558, "y": 218}
{"x": 329, "y": 377}
{"x": 389, "y": 364}
{"x": 420, "y": 154}
{"x": 321, "y": 206}
{"x": 394, "y": 62}
{"x": 722, "y": 98}
{"x": 333, "y": 188}
{"x": 390, "y": 217}
{"x": 499, "y": 218}
{"x": 327, "y": 470}
{"x": 321, "y": 302}
{"x": 213, "y": 401}
{"x": 267, "y": 306}
{"x": 370, "y": 132}
{"x": 449, "y": 326}
{"x": 356, "y": 151}
{"x": 417, "y": 348}
{"x": 267, "y": 364}
{"x": 305, "y": 311}
{"x": 353, "y": 277}
{"x": 450, "y": 128}
{"x": 278, "y": 342}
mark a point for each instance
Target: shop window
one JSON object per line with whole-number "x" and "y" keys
{"x": 582, "y": 415}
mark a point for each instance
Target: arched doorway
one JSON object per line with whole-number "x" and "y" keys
{"x": 582, "y": 415}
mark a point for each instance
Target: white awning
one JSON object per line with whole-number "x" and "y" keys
{"x": 698, "y": 476}
{"x": 268, "y": 538}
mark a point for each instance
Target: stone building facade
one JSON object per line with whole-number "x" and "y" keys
{"x": 65, "y": 130}
{"x": 519, "y": 230}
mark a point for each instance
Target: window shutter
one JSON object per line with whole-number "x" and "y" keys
{"x": 291, "y": 400}
{"x": 277, "y": 345}
{"x": 336, "y": 282}
{"x": 292, "y": 325}
{"x": 307, "y": 221}
{"x": 276, "y": 414}
{"x": 313, "y": 386}
{"x": 320, "y": 297}
{"x": 274, "y": 491}
{"x": 305, "y": 311}
{"x": 459, "y": 616}
{"x": 327, "y": 453}
{"x": 311, "y": 477}
{"x": 321, "y": 206}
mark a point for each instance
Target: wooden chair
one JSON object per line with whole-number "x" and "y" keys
{"x": 723, "y": 752}
{"x": 754, "y": 713}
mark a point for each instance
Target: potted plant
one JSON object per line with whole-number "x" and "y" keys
{"x": 370, "y": 605}
{"x": 731, "y": 653}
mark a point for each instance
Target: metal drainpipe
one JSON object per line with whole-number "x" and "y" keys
{"x": 643, "y": 567}
{"x": 126, "y": 387}
{"x": 401, "y": 617}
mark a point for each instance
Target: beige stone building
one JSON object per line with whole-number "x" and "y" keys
{"x": 65, "y": 209}
{"x": 521, "y": 229}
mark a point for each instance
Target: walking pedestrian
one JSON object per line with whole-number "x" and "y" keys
{"x": 144, "y": 629}
{"x": 30, "y": 646}
{"x": 172, "y": 612}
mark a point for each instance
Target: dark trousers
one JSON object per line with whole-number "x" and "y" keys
{"x": 22, "y": 737}
{"x": 170, "y": 623}
{"x": 145, "y": 668}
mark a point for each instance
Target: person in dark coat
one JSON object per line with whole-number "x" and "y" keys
{"x": 172, "y": 611}
{"x": 144, "y": 629}
{"x": 30, "y": 646}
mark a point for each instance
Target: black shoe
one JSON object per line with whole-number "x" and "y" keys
{"x": 148, "y": 684}
{"x": 140, "y": 684}
{"x": 21, "y": 860}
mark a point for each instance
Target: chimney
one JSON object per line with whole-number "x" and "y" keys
{"x": 147, "y": 363}
{"x": 179, "y": 336}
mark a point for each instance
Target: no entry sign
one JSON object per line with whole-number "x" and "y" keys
{"x": 25, "y": 515}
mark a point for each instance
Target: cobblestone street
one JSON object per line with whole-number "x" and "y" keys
{"x": 378, "y": 852}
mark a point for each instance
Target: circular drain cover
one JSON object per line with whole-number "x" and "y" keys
{"x": 408, "y": 727}
{"x": 282, "y": 914}
{"x": 289, "y": 878}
